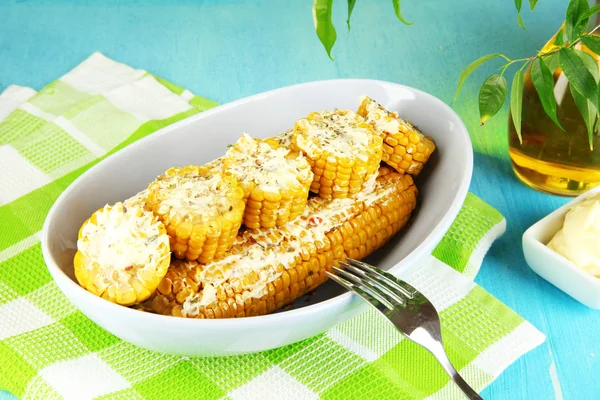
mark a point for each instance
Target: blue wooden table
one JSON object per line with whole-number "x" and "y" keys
{"x": 225, "y": 50}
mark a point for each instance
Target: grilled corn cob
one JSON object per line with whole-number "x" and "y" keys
{"x": 122, "y": 253}
{"x": 214, "y": 166}
{"x": 282, "y": 140}
{"x": 275, "y": 181}
{"x": 202, "y": 211}
{"x": 342, "y": 149}
{"x": 267, "y": 269}
{"x": 405, "y": 148}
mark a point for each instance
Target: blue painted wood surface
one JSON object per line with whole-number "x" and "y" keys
{"x": 229, "y": 49}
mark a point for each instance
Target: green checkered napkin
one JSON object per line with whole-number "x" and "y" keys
{"x": 50, "y": 350}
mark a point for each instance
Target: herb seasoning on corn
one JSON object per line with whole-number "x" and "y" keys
{"x": 275, "y": 181}
{"x": 123, "y": 254}
{"x": 282, "y": 140}
{"x": 219, "y": 269}
{"x": 268, "y": 269}
{"x": 342, "y": 149}
{"x": 405, "y": 148}
{"x": 201, "y": 209}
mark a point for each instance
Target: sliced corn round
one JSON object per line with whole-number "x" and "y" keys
{"x": 282, "y": 140}
{"x": 201, "y": 209}
{"x": 275, "y": 181}
{"x": 122, "y": 253}
{"x": 405, "y": 148}
{"x": 342, "y": 149}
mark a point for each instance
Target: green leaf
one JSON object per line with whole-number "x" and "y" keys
{"x": 574, "y": 24}
{"x": 516, "y": 101}
{"x": 399, "y": 13}
{"x": 596, "y": 128}
{"x": 532, "y": 4}
{"x": 544, "y": 85}
{"x": 491, "y": 96}
{"x": 588, "y": 112}
{"x": 578, "y": 75}
{"x": 351, "y": 4}
{"x": 551, "y": 62}
{"x": 560, "y": 38}
{"x": 472, "y": 67}
{"x": 586, "y": 15}
{"x": 324, "y": 24}
{"x": 519, "y": 4}
{"x": 592, "y": 42}
{"x": 590, "y": 63}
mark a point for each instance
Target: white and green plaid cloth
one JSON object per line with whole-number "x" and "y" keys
{"x": 49, "y": 350}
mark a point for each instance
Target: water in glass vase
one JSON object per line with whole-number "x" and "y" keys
{"x": 549, "y": 159}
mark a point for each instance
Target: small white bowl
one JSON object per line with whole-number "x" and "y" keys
{"x": 554, "y": 267}
{"x": 442, "y": 187}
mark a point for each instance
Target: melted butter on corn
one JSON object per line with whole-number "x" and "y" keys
{"x": 320, "y": 217}
{"x": 381, "y": 119}
{"x": 269, "y": 169}
{"x": 283, "y": 139}
{"x": 337, "y": 132}
{"x": 121, "y": 240}
{"x": 194, "y": 195}
{"x": 201, "y": 208}
{"x": 191, "y": 305}
{"x": 138, "y": 199}
{"x": 405, "y": 148}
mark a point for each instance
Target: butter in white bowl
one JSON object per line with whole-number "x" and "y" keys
{"x": 564, "y": 248}
{"x": 579, "y": 238}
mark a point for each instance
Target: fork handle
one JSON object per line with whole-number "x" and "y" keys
{"x": 440, "y": 354}
{"x": 464, "y": 386}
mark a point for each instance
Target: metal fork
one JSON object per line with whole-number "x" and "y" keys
{"x": 407, "y": 308}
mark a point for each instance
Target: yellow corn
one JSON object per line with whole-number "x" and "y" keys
{"x": 122, "y": 253}
{"x": 215, "y": 166}
{"x": 282, "y": 140}
{"x": 342, "y": 149}
{"x": 268, "y": 269}
{"x": 201, "y": 209}
{"x": 405, "y": 148}
{"x": 182, "y": 280}
{"x": 275, "y": 181}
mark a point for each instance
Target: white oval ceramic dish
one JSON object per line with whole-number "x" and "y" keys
{"x": 443, "y": 186}
{"x": 552, "y": 266}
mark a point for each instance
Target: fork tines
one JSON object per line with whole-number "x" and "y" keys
{"x": 383, "y": 277}
{"x": 372, "y": 283}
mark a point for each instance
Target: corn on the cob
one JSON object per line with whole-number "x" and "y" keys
{"x": 267, "y": 269}
{"x": 405, "y": 148}
{"x": 281, "y": 140}
{"x": 215, "y": 166}
{"x": 123, "y": 253}
{"x": 275, "y": 181}
{"x": 342, "y": 149}
{"x": 201, "y": 209}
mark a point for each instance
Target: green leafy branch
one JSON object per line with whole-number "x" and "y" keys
{"x": 322, "y": 17}
{"x": 579, "y": 67}
{"x": 323, "y": 11}
{"x": 518, "y": 5}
